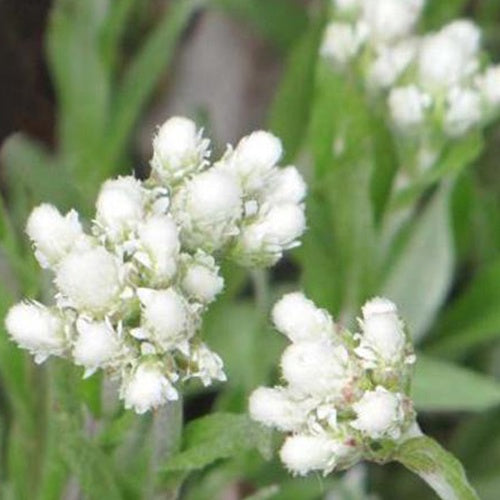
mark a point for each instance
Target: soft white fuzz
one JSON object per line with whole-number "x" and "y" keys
{"x": 341, "y": 391}
{"x": 131, "y": 293}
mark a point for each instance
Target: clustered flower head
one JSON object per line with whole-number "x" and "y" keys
{"x": 345, "y": 396}
{"x": 436, "y": 85}
{"x": 131, "y": 292}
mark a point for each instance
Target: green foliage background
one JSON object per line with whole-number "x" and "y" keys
{"x": 441, "y": 264}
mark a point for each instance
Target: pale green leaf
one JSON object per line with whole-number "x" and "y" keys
{"x": 442, "y": 386}
{"x": 419, "y": 279}
{"x": 218, "y": 436}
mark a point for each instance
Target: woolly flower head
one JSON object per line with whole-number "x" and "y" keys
{"x": 343, "y": 392}
{"x": 435, "y": 87}
{"x": 130, "y": 294}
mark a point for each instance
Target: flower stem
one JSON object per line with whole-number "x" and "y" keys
{"x": 261, "y": 290}
{"x": 437, "y": 467}
{"x": 166, "y": 437}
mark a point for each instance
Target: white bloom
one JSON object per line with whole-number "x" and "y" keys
{"x": 274, "y": 408}
{"x": 53, "y": 234}
{"x": 286, "y": 186}
{"x": 341, "y": 42}
{"x": 90, "y": 279}
{"x": 179, "y": 149}
{"x": 463, "y": 112}
{"x": 96, "y": 345}
{"x": 208, "y": 207}
{"x": 147, "y": 389}
{"x": 489, "y": 85}
{"x": 466, "y": 34}
{"x": 316, "y": 368}
{"x": 209, "y": 365}
{"x": 120, "y": 206}
{"x": 37, "y": 329}
{"x": 407, "y": 106}
{"x": 390, "y": 63}
{"x": 253, "y": 159}
{"x": 159, "y": 238}
{"x": 276, "y": 229}
{"x": 166, "y": 314}
{"x": 299, "y": 319}
{"x": 201, "y": 280}
{"x": 383, "y": 335}
{"x": 302, "y": 454}
{"x": 443, "y": 62}
{"x": 389, "y": 20}
{"x": 345, "y": 6}
{"x": 379, "y": 414}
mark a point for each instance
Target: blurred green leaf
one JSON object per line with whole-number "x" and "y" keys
{"x": 456, "y": 156}
{"x": 218, "y": 436}
{"x": 142, "y": 75}
{"x": 420, "y": 277}
{"x": 82, "y": 83}
{"x": 282, "y": 21}
{"x": 474, "y": 318}
{"x": 290, "y": 111}
{"x": 438, "y": 13}
{"x": 442, "y": 386}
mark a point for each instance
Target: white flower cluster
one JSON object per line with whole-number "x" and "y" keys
{"x": 345, "y": 395}
{"x": 131, "y": 292}
{"x": 434, "y": 81}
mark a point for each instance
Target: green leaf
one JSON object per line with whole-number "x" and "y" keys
{"x": 290, "y": 111}
{"x": 442, "y": 386}
{"x": 218, "y": 436}
{"x": 419, "y": 279}
{"x": 143, "y": 74}
{"x": 474, "y": 318}
{"x": 438, "y": 468}
{"x": 281, "y": 21}
{"x": 82, "y": 82}
{"x": 438, "y": 13}
{"x": 455, "y": 157}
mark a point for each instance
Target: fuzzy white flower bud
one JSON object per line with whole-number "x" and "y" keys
{"x": 179, "y": 149}
{"x": 383, "y": 335}
{"x": 202, "y": 281}
{"x": 442, "y": 61}
{"x": 489, "y": 85}
{"x": 302, "y": 454}
{"x": 274, "y": 408}
{"x": 209, "y": 365}
{"x": 389, "y": 20}
{"x": 318, "y": 368}
{"x": 159, "y": 237}
{"x": 379, "y": 414}
{"x": 464, "y": 111}
{"x": 253, "y": 159}
{"x": 37, "y": 329}
{"x": 341, "y": 42}
{"x": 299, "y": 319}
{"x": 165, "y": 313}
{"x": 53, "y": 234}
{"x": 147, "y": 388}
{"x": 345, "y": 6}
{"x": 208, "y": 208}
{"x": 286, "y": 186}
{"x": 90, "y": 279}
{"x": 465, "y": 34}
{"x": 390, "y": 63}
{"x": 407, "y": 106}
{"x": 277, "y": 229}
{"x": 96, "y": 345}
{"x": 120, "y": 206}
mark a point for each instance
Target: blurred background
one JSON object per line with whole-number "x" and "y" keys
{"x": 83, "y": 84}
